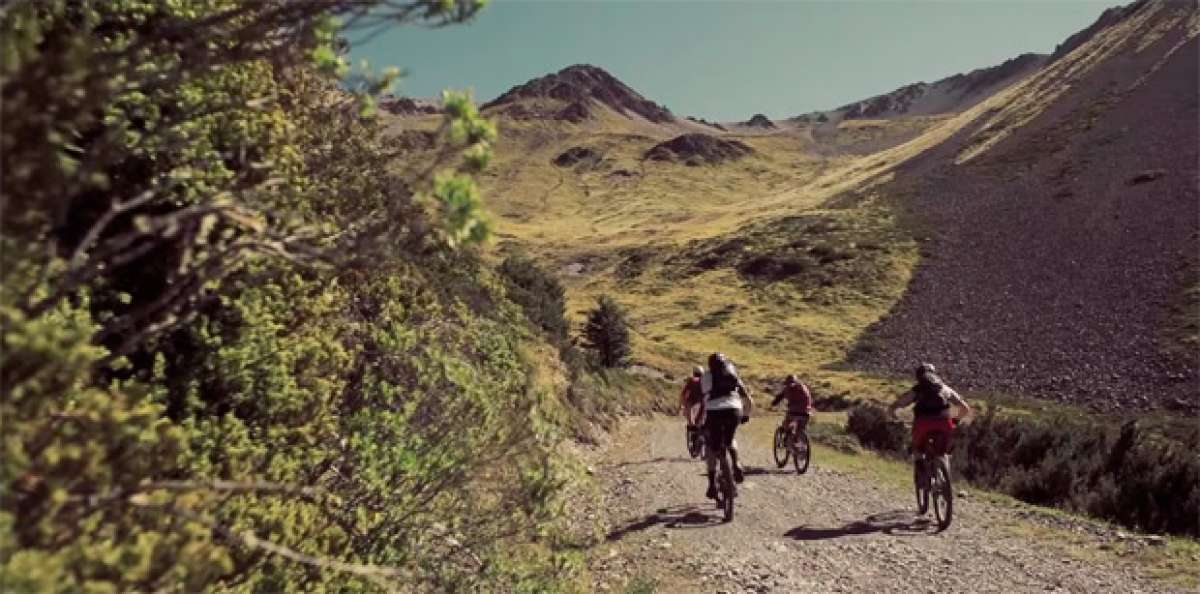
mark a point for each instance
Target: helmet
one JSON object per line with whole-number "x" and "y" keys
{"x": 697, "y": 371}
{"x": 718, "y": 362}
{"x": 926, "y": 372}
{"x": 791, "y": 379}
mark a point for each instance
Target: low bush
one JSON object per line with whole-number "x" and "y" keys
{"x": 1117, "y": 473}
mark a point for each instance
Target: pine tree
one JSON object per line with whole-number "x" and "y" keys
{"x": 607, "y": 333}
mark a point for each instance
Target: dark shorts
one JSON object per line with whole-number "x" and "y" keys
{"x": 720, "y": 427}
{"x": 799, "y": 419}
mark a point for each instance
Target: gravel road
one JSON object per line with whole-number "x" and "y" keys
{"x": 825, "y": 531}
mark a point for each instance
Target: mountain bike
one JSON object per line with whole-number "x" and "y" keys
{"x": 931, "y": 478}
{"x": 726, "y": 492}
{"x": 787, "y": 445}
{"x": 695, "y": 441}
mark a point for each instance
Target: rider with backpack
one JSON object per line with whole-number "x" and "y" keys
{"x": 932, "y": 399}
{"x": 723, "y": 395}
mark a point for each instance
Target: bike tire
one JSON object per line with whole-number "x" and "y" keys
{"x": 726, "y": 487}
{"x": 921, "y": 485}
{"x": 781, "y": 448}
{"x": 943, "y": 493}
{"x": 803, "y": 454}
{"x": 694, "y": 443}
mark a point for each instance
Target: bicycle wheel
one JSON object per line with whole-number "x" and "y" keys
{"x": 694, "y": 442}
{"x": 726, "y": 486}
{"x": 921, "y": 484}
{"x": 802, "y": 454}
{"x": 781, "y": 447}
{"x": 943, "y": 493}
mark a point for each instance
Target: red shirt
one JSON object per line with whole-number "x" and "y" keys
{"x": 691, "y": 393}
{"x": 798, "y": 398}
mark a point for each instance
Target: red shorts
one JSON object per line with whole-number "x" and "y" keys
{"x": 924, "y": 428}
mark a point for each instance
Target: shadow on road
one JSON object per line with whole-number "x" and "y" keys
{"x": 680, "y": 516}
{"x": 893, "y": 523}
{"x": 762, "y": 470}
{"x": 658, "y": 460}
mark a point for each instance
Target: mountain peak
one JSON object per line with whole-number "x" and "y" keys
{"x": 580, "y": 84}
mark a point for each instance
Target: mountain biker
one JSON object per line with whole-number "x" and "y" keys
{"x": 932, "y": 399}
{"x": 691, "y": 399}
{"x": 799, "y": 406}
{"x": 723, "y": 395}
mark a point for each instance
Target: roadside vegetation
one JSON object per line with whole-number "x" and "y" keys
{"x": 1122, "y": 474}
{"x": 248, "y": 344}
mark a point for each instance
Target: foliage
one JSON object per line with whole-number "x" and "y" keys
{"x": 607, "y": 333}
{"x": 539, "y": 294}
{"x": 243, "y": 346}
{"x": 1121, "y": 474}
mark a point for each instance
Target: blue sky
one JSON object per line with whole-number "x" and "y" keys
{"x": 728, "y": 59}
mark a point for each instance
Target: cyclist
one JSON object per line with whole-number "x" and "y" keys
{"x": 799, "y": 406}
{"x": 723, "y": 395}
{"x": 691, "y": 403}
{"x": 931, "y": 414}
{"x": 691, "y": 399}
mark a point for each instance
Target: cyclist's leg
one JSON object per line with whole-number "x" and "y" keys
{"x": 731, "y": 444}
{"x": 801, "y": 428}
{"x": 713, "y": 441}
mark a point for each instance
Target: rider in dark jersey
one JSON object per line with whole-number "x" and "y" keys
{"x": 723, "y": 395}
{"x": 931, "y": 399}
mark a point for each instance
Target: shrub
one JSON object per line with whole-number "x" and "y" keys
{"x": 539, "y": 294}
{"x": 607, "y": 333}
{"x": 871, "y": 425}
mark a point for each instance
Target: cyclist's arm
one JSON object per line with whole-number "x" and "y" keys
{"x": 954, "y": 398}
{"x": 907, "y": 399}
{"x": 778, "y": 398}
{"x": 808, "y": 401}
{"x": 746, "y": 394}
{"x": 683, "y": 399}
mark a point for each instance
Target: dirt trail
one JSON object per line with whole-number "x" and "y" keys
{"x": 826, "y": 531}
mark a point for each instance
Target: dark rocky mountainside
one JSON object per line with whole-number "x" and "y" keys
{"x": 1057, "y": 263}
{"x": 698, "y": 149}
{"x": 408, "y": 106}
{"x": 579, "y": 86}
{"x": 951, "y": 94}
{"x": 1109, "y": 17}
{"x": 707, "y": 123}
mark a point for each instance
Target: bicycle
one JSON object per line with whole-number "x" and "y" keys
{"x": 931, "y": 478}
{"x": 695, "y": 441}
{"x": 787, "y": 445}
{"x": 726, "y": 491}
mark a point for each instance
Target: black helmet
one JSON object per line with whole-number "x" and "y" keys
{"x": 718, "y": 363}
{"x": 791, "y": 379}
{"x": 697, "y": 371}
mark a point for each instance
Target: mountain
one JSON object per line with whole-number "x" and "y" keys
{"x": 952, "y": 94}
{"x": 573, "y": 94}
{"x": 1030, "y": 227}
{"x": 1059, "y": 227}
{"x": 408, "y": 106}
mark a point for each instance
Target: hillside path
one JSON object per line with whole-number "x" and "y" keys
{"x": 826, "y": 531}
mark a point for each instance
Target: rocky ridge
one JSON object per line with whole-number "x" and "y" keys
{"x": 578, "y": 87}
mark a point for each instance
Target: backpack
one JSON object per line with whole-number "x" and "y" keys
{"x": 929, "y": 401}
{"x": 724, "y": 382}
